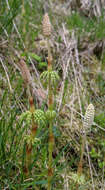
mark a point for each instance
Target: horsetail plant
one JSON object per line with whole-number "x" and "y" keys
{"x": 87, "y": 123}
{"x": 33, "y": 117}
{"x": 49, "y": 80}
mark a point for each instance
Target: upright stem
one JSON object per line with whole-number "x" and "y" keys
{"x": 50, "y": 107}
{"x": 50, "y": 149}
{"x": 80, "y": 165}
{"x": 32, "y": 136}
{"x": 34, "y": 125}
{"x": 49, "y": 56}
{"x": 28, "y": 158}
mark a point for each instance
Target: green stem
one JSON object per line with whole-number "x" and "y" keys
{"x": 51, "y": 136}
{"x": 50, "y": 107}
{"x": 50, "y": 149}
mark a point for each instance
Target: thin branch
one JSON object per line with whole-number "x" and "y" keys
{"x": 5, "y": 69}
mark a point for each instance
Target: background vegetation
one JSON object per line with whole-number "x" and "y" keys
{"x": 78, "y": 49}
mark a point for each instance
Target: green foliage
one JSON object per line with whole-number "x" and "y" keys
{"x": 101, "y": 83}
{"x": 10, "y": 143}
{"x": 49, "y": 75}
{"x": 22, "y": 23}
{"x": 75, "y": 21}
{"x": 41, "y": 65}
{"x": 38, "y": 115}
{"x": 93, "y": 153}
{"x": 100, "y": 28}
{"x": 78, "y": 179}
{"x": 30, "y": 141}
{"x": 26, "y": 116}
{"x": 36, "y": 57}
{"x": 100, "y": 119}
{"x": 96, "y": 155}
{"x": 8, "y": 15}
{"x": 50, "y": 115}
{"x": 84, "y": 25}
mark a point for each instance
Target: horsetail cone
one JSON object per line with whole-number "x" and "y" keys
{"x": 25, "y": 72}
{"x": 46, "y": 26}
{"x": 89, "y": 117}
